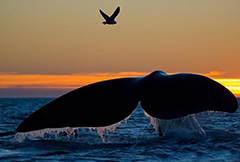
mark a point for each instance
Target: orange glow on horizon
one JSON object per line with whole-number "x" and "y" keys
{"x": 77, "y": 80}
{"x": 59, "y": 81}
{"x": 232, "y": 84}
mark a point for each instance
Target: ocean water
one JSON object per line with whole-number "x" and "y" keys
{"x": 213, "y": 136}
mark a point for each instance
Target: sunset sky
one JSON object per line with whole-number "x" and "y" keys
{"x": 50, "y": 47}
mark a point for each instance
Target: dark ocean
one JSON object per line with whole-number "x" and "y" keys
{"x": 215, "y": 138}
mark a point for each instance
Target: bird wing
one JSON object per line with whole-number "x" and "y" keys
{"x": 105, "y": 16}
{"x": 116, "y": 12}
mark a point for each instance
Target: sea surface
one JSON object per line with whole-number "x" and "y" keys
{"x": 135, "y": 139}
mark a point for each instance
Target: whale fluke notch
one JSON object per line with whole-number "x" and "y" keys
{"x": 107, "y": 102}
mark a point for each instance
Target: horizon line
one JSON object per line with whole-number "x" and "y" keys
{"x": 63, "y": 83}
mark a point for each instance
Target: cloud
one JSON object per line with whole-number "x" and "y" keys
{"x": 214, "y": 74}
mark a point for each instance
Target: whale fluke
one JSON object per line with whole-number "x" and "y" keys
{"x": 98, "y": 104}
{"x": 173, "y": 96}
{"x": 107, "y": 102}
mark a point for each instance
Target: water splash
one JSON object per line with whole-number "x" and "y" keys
{"x": 187, "y": 124}
{"x": 67, "y": 133}
{"x": 153, "y": 121}
{"x": 102, "y": 130}
{"x": 48, "y": 133}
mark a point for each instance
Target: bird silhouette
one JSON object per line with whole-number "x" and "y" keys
{"x": 110, "y": 20}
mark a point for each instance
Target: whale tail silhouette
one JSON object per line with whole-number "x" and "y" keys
{"x": 107, "y": 102}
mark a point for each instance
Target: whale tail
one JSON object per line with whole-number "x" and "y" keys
{"x": 104, "y": 103}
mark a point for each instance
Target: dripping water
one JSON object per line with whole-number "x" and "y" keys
{"x": 66, "y": 133}
{"x": 184, "y": 125}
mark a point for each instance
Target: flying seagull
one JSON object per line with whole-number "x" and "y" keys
{"x": 110, "y": 20}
